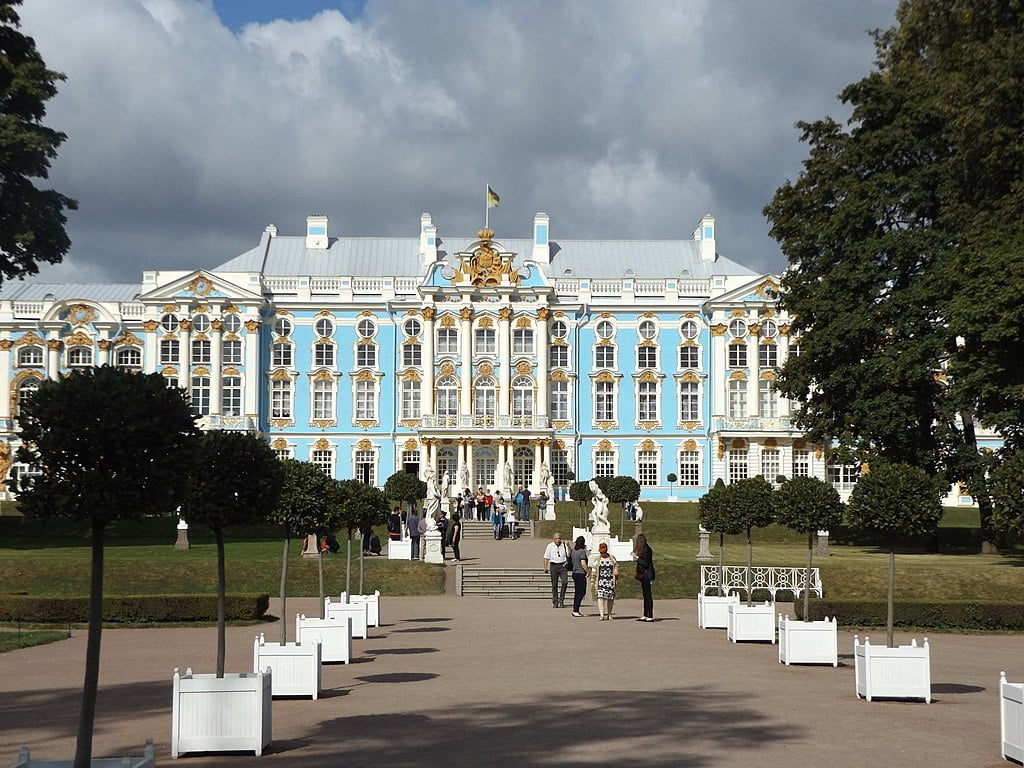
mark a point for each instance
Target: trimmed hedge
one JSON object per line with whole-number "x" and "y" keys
{"x": 962, "y": 614}
{"x": 132, "y": 609}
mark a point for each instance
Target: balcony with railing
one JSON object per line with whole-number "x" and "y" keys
{"x": 751, "y": 424}
{"x": 464, "y": 422}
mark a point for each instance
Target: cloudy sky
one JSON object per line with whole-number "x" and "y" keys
{"x": 192, "y": 124}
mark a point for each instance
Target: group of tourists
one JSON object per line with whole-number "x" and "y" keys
{"x": 560, "y": 560}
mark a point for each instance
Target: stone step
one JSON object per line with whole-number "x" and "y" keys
{"x": 481, "y": 530}
{"x": 526, "y": 583}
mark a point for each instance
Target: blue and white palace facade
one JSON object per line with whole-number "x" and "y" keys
{"x": 469, "y": 355}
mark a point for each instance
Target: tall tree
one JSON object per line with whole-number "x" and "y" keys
{"x": 236, "y": 481}
{"x": 887, "y": 228}
{"x": 110, "y": 445}
{"x": 747, "y": 505}
{"x": 405, "y": 486}
{"x": 31, "y": 219}
{"x": 714, "y": 515}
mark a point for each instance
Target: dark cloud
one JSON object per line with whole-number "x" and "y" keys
{"x": 619, "y": 119}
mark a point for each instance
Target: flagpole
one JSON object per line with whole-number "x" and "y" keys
{"x": 487, "y": 205}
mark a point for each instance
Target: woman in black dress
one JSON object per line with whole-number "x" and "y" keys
{"x": 645, "y": 574}
{"x": 455, "y": 535}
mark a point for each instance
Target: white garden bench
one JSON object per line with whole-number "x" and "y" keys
{"x": 733, "y": 578}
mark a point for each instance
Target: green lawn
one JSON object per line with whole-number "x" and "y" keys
{"x": 11, "y": 641}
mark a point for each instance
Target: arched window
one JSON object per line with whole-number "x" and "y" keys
{"x": 231, "y": 396}
{"x": 366, "y": 354}
{"x": 129, "y": 358}
{"x": 281, "y": 355}
{"x": 26, "y": 388}
{"x": 447, "y": 396}
{"x": 484, "y": 399}
{"x": 522, "y": 397}
{"x": 79, "y": 357}
{"x": 323, "y": 354}
{"x": 30, "y": 357}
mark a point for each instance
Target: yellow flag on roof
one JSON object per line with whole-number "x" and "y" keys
{"x": 492, "y": 198}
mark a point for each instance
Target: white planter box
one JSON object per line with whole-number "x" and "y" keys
{"x": 372, "y": 605}
{"x": 713, "y": 610}
{"x": 903, "y": 672}
{"x": 808, "y": 642}
{"x": 146, "y": 761}
{"x": 755, "y": 623}
{"x": 400, "y": 550}
{"x": 356, "y": 612}
{"x": 1011, "y": 718}
{"x": 296, "y": 667}
{"x": 228, "y": 714}
{"x": 334, "y": 636}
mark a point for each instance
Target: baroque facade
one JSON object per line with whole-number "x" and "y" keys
{"x": 491, "y": 360}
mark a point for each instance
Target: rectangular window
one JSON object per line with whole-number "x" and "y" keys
{"x": 559, "y": 406}
{"x": 795, "y": 348}
{"x": 281, "y": 354}
{"x": 79, "y": 357}
{"x": 447, "y": 401}
{"x": 30, "y": 357}
{"x": 323, "y": 401}
{"x": 768, "y": 399}
{"x": 558, "y": 356}
{"x": 770, "y": 465}
{"x": 231, "y": 396}
{"x": 200, "y": 352}
{"x": 647, "y": 468}
{"x": 283, "y": 453}
{"x": 280, "y": 399}
{"x": 366, "y": 355}
{"x": 604, "y": 464}
{"x": 323, "y": 355}
{"x": 604, "y": 357}
{"x": 484, "y": 341}
{"x": 410, "y": 400}
{"x": 200, "y": 395}
{"x": 737, "y": 464}
{"x": 737, "y": 355}
{"x": 231, "y": 352}
{"x": 324, "y": 459}
{"x": 366, "y": 467}
{"x": 560, "y": 467}
{"x": 447, "y": 341}
{"x": 689, "y": 401}
{"x": 737, "y": 399}
{"x": 689, "y": 469}
{"x": 412, "y": 354}
{"x": 366, "y": 400}
{"x": 801, "y": 462}
{"x": 171, "y": 381}
{"x": 604, "y": 401}
{"x": 646, "y": 357}
{"x": 689, "y": 357}
{"x": 842, "y": 476}
{"x": 169, "y": 352}
{"x": 768, "y": 356}
{"x": 647, "y": 400}
{"x": 522, "y": 341}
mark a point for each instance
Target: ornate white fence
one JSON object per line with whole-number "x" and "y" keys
{"x": 733, "y": 578}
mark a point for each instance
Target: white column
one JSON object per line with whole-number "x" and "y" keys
{"x": 717, "y": 364}
{"x": 185, "y": 353}
{"x": 5, "y": 380}
{"x": 469, "y": 466}
{"x": 541, "y": 341}
{"x": 104, "y": 356}
{"x": 504, "y": 360}
{"x": 215, "y": 367}
{"x": 538, "y": 457}
{"x": 252, "y": 378}
{"x": 785, "y": 407}
{"x": 53, "y": 356}
{"x": 466, "y": 337}
{"x": 427, "y": 385}
{"x": 753, "y": 383}
{"x": 149, "y": 347}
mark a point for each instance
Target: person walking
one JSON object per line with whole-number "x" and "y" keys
{"x": 423, "y": 532}
{"x": 645, "y": 574}
{"x": 442, "y": 528}
{"x": 414, "y": 534}
{"x": 556, "y": 563}
{"x": 524, "y": 507}
{"x": 606, "y": 576}
{"x": 395, "y": 525}
{"x": 455, "y": 535}
{"x": 580, "y": 572}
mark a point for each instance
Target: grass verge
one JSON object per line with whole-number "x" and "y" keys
{"x": 12, "y": 641}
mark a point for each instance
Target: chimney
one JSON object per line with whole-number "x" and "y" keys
{"x": 541, "y": 241}
{"x": 316, "y": 232}
{"x": 705, "y": 235}
{"x": 428, "y": 240}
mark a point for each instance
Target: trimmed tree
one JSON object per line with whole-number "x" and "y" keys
{"x": 895, "y": 500}
{"x": 714, "y": 516}
{"x": 406, "y": 487}
{"x": 307, "y": 497}
{"x": 236, "y": 481}
{"x": 1008, "y": 494}
{"x": 748, "y": 503}
{"x": 111, "y": 445}
{"x": 621, "y": 490}
{"x": 671, "y": 477}
{"x": 808, "y": 505}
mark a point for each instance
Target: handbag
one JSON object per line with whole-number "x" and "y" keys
{"x": 637, "y": 576}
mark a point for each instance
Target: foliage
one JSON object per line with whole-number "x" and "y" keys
{"x": 307, "y": 497}
{"x": 360, "y": 506}
{"x": 580, "y": 492}
{"x": 132, "y": 609}
{"x": 807, "y": 505}
{"x": 405, "y": 486}
{"x": 748, "y": 503}
{"x": 938, "y": 614}
{"x": 621, "y": 489}
{"x": 31, "y": 219}
{"x": 1008, "y": 493}
{"x": 110, "y": 445}
{"x": 896, "y": 500}
{"x": 671, "y": 477}
{"x": 714, "y": 511}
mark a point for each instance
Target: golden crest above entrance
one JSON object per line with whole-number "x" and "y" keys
{"x": 484, "y": 264}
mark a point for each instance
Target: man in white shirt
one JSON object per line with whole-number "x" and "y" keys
{"x": 556, "y": 562}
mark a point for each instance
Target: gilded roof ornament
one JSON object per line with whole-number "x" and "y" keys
{"x": 484, "y": 264}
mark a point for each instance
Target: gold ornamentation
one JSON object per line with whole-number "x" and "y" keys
{"x": 718, "y": 330}
{"x": 323, "y": 375}
{"x": 523, "y": 322}
{"x": 605, "y": 315}
{"x": 559, "y": 376}
{"x": 649, "y": 426}
{"x": 524, "y": 367}
{"x": 738, "y": 313}
{"x": 690, "y": 377}
{"x": 767, "y": 313}
{"x": 428, "y": 313}
{"x": 201, "y": 370}
{"x": 799, "y": 445}
{"x": 738, "y": 376}
{"x": 690, "y": 445}
{"x": 784, "y": 329}
{"x": 605, "y": 445}
{"x": 322, "y": 445}
{"x": 466, "y": 313}
{"x": 217, "y": 325}
{"x": 364, "y": 375}
{"x": 754, "y": 328}
{"x": 150, "y": 325}
{"x": 28, "y": 338}
{"x": 279, "y": 444}
{"x": 689, "y": 314}
{"x": 200, "y": 285}
{"x": 16, "y": 383}
{"x": 648, "y": 445}
{"x": 104, "y": 344}
{"x": 768, "y": 342}
{"x": 232, "y": 337}
{"x": 721, "y": 447}
{"x": 280, "y": 375}
{"x": 283, "y": 313}
{"x": 323, "y": 423}
{"x": 230, "y": 371}
{"x": 560, "y": 424}
{"x": 185, "y": 325}
{"x": 364, "y": 445}
{"x": 200, "y": 337}
{"x": 484, "y": 264}
{"x": 53, "y": 345}
{"x": 485, "y": 322}
{"x": 768, "y": 289}
{"x": 6, "y": 344}
{"x": 505, "y": 313}
{"x": 771, "y": 442}
{"x": 366, "y": 423}
{"x": 447, "y": 369}
{"x": 170, "y": 308}
{"x": 559, "y": 343}
{"x": 543, "y": 313}
{"x": 281, "y": 424}
{"x": 738, "y": 443}
{"x": 411, "y": 375}
{"x": 768, "y": 376}
{"x": 648, "y": 376}
{"x": 818, "y": 451}
{"x": 605, "y": 376}
{"x": 230, "y": 309}
{"x": 411, "y": 445}
{"x": 78, "y": 339}
{"x": 691, "y": 426}
{"x": 605, "y": 426}
{"x": 446, "y": 321}
{"x": 200, "y": 309}
{"x": 486, "y": 369}
{"x": 81, "y": 314}
{"x": 168, "y": 370}
{"x": 647, "y": 315}
{"x": 252, "y": 326}
{"x": 128, "y": 339}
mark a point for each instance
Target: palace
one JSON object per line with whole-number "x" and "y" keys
{"x": 483, "y": 357}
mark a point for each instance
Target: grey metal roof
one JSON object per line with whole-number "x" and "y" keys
{"x": 399, "y": 257}
{"x": 20, "y": 290}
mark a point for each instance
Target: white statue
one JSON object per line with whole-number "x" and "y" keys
{"x": 600, "y": 512}
{"x": 547, "y": 481}
{"x": 464, "y": 476}
{"x": 433, "y": 494}
{"x": 638, "y": 513}
{"x": 508, "y": 476}
{"x": 446, "y": 484}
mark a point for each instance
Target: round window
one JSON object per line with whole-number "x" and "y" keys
{"x": 200, "y": 323}
{"x": 559, "y": 330}
{"x": 412, "y": 327}
{"x": 769, "y": 329}
{"x": 689, "y": 329}
{"x": 169, "y": 323}
{"x": 283, "y": 327}
{"x": 648, "y": 330}
{"x": 366, "y": 328}
{"x": 323, "y": 328}
{"x": 737, "y": 329}
{"x": 232, "y": 323}
{"x": 605, "y": 330}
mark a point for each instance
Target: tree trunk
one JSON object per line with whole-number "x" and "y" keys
{"x": 807, "y": 577}
{"x": 348, "y": 563}
{"x": 320, "y": 574}
{"x": 750, "y": 560}
{"x": 87, "y": 713}
{"x": 284, "y": 591}
{"x": 889, "y": 606}
{"x": 221, "y": 612}
{"x": 979, "y": 487}
{"x": 721, "y": 564}
{"x": 361, "y": 556}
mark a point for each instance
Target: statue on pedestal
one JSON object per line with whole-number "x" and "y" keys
{"x": 547, "y": 481}
{"x": 599, "y": 514}
{"x": 433, "y": 497}
{"x": 464, "y": 476}
{"x": 508, "y": 477}
{"x": 446, "y": 484}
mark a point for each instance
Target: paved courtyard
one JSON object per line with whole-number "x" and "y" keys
{"x": 450, "y": 681}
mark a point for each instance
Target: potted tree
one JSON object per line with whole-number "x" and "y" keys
{"x": 713, "y": 610}
{"x": 807, "y": 505}
{"x": 672, "y": 478}
{"x": 894, "y": 500}
{"x": 236, "y": 481}
{"x": 109, "y": 445}
{"x": 748, "y": 503}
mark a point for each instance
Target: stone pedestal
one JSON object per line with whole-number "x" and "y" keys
{"x": 431, "y": 544}
{"x": 823, "y": 544}
{"x": 598, "y": 534}
{"x": 638, "y": 528}
{"x": 182, "y": 542}
{"x": 310, "y": 546}
{"x": 704, "y": 550}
